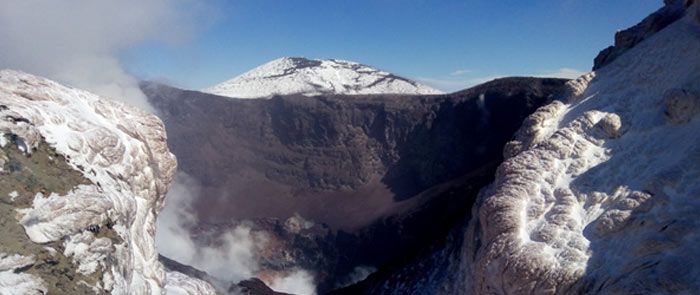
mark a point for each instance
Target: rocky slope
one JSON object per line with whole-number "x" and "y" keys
{"x": 298, "y": 75}
{"x": 82, "y": 180}
{"x": 376, "y": 177}
{"x": 598, "y": 192}
{"x": 672, "y": 11}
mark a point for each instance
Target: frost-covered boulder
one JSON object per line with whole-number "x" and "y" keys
{"x": 83, "y": 178}
{"x": 601, "y": 192}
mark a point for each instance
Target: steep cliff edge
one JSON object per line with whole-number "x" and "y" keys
{"x": 250, "y": 152}
{"x": 378, "y": 177}
{"x": 83, "y": 179}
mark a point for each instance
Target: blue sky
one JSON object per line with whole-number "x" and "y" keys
{"x": 450, "y": 44}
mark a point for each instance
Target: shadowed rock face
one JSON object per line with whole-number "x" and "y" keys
{"x": 386, "y": 174}
{"x": 389, "y": 148}
{"x": 255, "y": 287}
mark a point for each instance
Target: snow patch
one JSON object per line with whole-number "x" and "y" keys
{"x": 13, "y": 195}
{"x": 88, "y": 252}
{"x": 51, "y": 218}
{"x": 181, "y": 284}
{"x": 13, "y": 281}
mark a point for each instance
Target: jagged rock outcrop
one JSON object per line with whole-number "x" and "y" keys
{"x": 83, "y": 178}
{"x": 359, "y": 168}
{"x": 255, "y": 286}
{"x": 672, "y": 11}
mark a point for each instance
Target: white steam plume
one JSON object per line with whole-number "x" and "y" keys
{"x": 233, "y": 260}
{"x": 77, "y": 42}
{"x": 298, "y": 281}
{"x": 234, "y": 255}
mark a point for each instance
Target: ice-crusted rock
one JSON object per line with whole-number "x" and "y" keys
{"x": 601, "y": 192}
{"x": 13, "y": 282}
{"x": 181, "y": 284}
{"x": 185, "y": 279}
{"x": 298, "y": 75}
{"x": 121, "y": 152}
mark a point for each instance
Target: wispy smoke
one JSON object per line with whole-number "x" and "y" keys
{"x": 232, "y": 260}
{"x": 358, "y": 274}
{"x": 232, "y": 257}
{"x": 77, "y": 42}
{"x": 297, "y": 282}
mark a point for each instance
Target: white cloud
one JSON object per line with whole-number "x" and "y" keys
{"x": 77, "y": 42}
{"x": 460, "y": 72}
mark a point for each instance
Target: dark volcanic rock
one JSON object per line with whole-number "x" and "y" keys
{"x": 255, "y": 287}
{"x": 387, "y": 175}
{"x": 304, "y": 147}
{"x": 172, "y": 265}
{"x": 251, "y": 286}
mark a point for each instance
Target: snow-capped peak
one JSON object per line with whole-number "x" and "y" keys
{"x": 298, "y": 75}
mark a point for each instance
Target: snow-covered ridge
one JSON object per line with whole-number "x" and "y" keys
{"x": 122, "y": 151}
{"x": 296, "y": 75}
{"x": 601, "y": 192}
